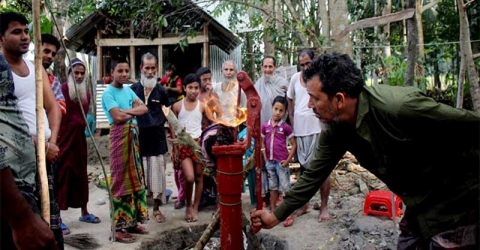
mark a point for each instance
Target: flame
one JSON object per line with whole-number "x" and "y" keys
{"x": 218, "y": 111}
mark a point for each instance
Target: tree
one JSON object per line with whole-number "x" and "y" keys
{"x": 467, "y": 56}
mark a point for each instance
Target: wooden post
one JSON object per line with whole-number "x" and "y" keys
{"x": 160, "y": 55}
{"x": 206, "y": 48}
{"x": 42, "y": 166}
{"x": 99, "y": 57}
{"x": 132, "y": 52}
{"x": 132, "y": 62}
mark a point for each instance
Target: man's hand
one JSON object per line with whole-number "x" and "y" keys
{"x": 284, "y": 163}
{"x": 52, "y": 152}
{"x": 136, "y": 103}
{"x": 263, "y": 218}
{"x": 33, "y": 233}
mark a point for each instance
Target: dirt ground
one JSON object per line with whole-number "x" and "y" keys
{"x": 347, "y": 229}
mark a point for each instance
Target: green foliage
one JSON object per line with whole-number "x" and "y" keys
{"x": 46, "y": 26}
{"x": 172, "y": 16}
{"x": 21, "y": 6}
{"x": 79, "y": 10}
{"x": 396, "y": 67}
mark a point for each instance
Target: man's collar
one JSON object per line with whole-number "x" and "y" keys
{"x": 362, "y": 108}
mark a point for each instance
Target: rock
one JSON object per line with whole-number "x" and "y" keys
{"x": 363, "y": 187}
{"x": 383, "y": 243}
{"x": 354, "y": 229}
{"x": 354, "y": 190}
{"x": 341, "y": 172}
{"x": 100, "y": 202}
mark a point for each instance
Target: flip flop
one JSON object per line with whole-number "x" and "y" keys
{"x": 159, "y": 217}
{"x": 65, "y": 230}
{"x": 90, "y": 218}
{"x": 136, "y": 230}
{"x": 123, "y": 237}
{"x": 288, "y": 222}
{"x": 179, "y": 204}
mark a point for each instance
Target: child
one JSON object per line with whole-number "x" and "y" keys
{"x": 189, "y": 112}
{"x": 275, "y": 134}
{"x": 121, "y": 105}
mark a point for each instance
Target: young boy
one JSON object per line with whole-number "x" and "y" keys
{"x": 189, "y": 112}
{"x": 121, "y": 106}
{"x": 275, "y": 134}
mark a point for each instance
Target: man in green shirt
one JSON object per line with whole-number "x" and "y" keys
{"x": 427, "y": 153}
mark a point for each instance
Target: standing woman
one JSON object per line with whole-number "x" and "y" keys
{"x": 173, "y": 84}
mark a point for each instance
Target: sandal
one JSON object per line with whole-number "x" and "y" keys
{"x": 123, "y": 237}
{"x": 65, "y": 230}
{"x": 90, "y": 218}
{"x": 179, "y": 204}
{"x": 288, "y": 222}
{"x": 159, "y": 217}
{"x": 136, "y": 230}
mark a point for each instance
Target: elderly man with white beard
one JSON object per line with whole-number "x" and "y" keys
{"x": 72, "y": 165}
{"x": 227, "y": 92}
{"x": 153, "y": 141}
{"x": 270, "y": 86}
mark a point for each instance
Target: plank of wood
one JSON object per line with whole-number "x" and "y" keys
{"x": 111, "y": 42}
{"x": 375, "y": 21}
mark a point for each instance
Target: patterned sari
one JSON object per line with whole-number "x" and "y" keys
{"x": 128, "y": 184}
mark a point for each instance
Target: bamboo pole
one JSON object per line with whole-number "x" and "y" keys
{"x": 42, "y": 166}
{"x": 100, "y": 63}
{"x": 212, "y": 227}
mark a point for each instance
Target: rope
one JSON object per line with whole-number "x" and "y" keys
{"x": 231, "y": 204}
{"x": 48, "y": 6}
{"x": 230, "y": 174}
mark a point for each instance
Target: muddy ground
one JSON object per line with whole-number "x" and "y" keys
{"x": 347, "y": 229}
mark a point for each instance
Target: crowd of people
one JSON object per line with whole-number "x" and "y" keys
{"x": 323, "y": 112}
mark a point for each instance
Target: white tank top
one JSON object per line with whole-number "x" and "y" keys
{"x": 25, "y": 92}
{"x": 191, "y": 120}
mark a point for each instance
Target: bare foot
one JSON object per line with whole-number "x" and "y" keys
{"x": 194, "y": 215}
{"x": 159, "y": 217}
{"x": 189, "y": 214}
{"x": 324, "y": 215}
{"x": 303, "y": 210}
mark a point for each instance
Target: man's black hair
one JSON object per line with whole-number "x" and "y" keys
{"x": 50, "y": 39}
{"x": 117, "y": 61}
{"x": 308, "y": 52}
{"x": 337, "y": 73}
{"x": 202, "y": 71}
{"x": 9, "y": 17}
{"x": 190, "y": 78}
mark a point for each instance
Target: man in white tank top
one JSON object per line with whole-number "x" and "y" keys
{"x": 15, "y": 41}
{"x": 23, "y": 71}
{"x": 189, "y": 112}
